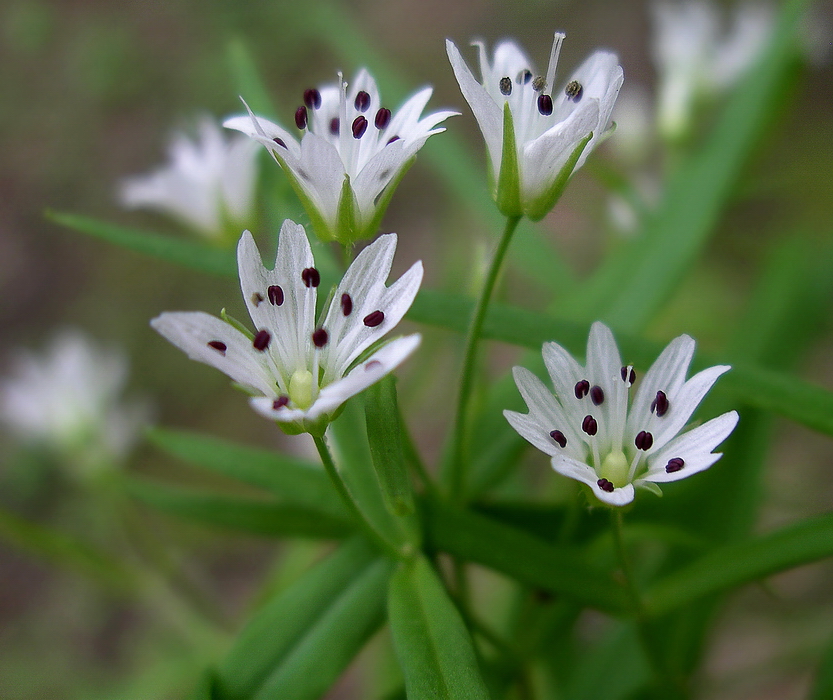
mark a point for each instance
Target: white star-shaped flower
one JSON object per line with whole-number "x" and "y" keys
{"x": 301, "y": 371}
{"x": 592, "y": 434}
{"x": 208, "y": 183}
{"x": 70, "y": 400}
{"x": 536, "y": 135}
{"x": 351, "y": 155}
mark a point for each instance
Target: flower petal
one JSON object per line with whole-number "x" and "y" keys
{"x": 579, "y": 471}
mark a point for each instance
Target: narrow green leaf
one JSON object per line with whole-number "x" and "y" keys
{"x": 432, "y": 643}
{"x": 183, "y": 252}
{"x": 385, "y": 438}
{"x": 328, "y": 645}
{"x": 241, "y": 514}
{"x": 823, "y": 686}
{"x": 742, "y": 562}
{"x": 293, "y": 480}
{"x": 280, "y": 626}
{"x": 522, "y": 556}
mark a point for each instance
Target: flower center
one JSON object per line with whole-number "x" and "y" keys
{"x": 615, "y": 468}
{"x": 300, "y": 388}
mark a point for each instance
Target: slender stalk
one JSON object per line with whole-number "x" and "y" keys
{"x": 459, "y": 453}
{"x": 374, "y": 535}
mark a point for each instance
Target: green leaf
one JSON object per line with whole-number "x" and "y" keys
{"x": 281, "y": 625}
{"x": 293, "y": 480}
{"x": 241, "y": 514}
{"x": 327, "y": 646}
{"x": 183, "y": 252}
{"x": 522, "y": 556}
{"x": 742, "y": 562}
{"x": 631, "y": 285}
{"x": 385, "y": 438}
{"x": 823, "y": 686}
{"x": 432, "y": 643}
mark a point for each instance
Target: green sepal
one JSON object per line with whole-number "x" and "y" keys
{"x": 319, "y": 223}
{"x": 508, "y": 193}
{"x": 346, "y": 223}
{"x": 538, "y": 208}
{"x": 316, "y": 427}
{"x": 652, "y": 487}
{"x": 234, "y": 323}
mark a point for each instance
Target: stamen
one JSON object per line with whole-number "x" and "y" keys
{"x": 589, "y": 425}
{"x": 574, "y": 90}
{"x": 605, "y": 485}
{"x": 559, "y": 437}
{"x": 382, "y": 118}
{"x": 346, "y": 304}
{"x": 261, "y": 340}
{"x": 362, "y": 101}
{"x": 524, "y": 76}
{"x": 280, "y": 402}
{"x": 275, "y": 293}
{"x": 597, "y": 395}
{"x": 660, "y": 404}
{"x": 545, "y": 105}
{"x": 539, "y": 83}
{"x": 279, "y": 142}
{"x": 373, "y": 364}
{"x": 359, "y": 127}
{"x": 311, "y": 277}
{"x": 628, "y": 375}
{"x": 301, "y": 117}
{"x": 674, "y": 465}
{"x": 218, "y": 345}
{"x": 320, "y": 338}
{"x": 312, "y": 98}
{"x": 335, "y": 126}
{"x": 257, "y": 297}
{"x": 374, "y": 318}
{"x": 582, "y": 389}
{"x": 505, "y": 86}
{"x": 391, "y": 140}
{"x": 643, "y": 440}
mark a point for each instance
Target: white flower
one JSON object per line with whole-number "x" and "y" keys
{"x": 302, "y": 371}
{"x": 208, "y": 184}
{"x": 352, "y": 153}
{"x": 695, "y": 58}
{"x": 595, "y": 438}
{"x": 70, "y": 400}
{"x": 536, "y": 135}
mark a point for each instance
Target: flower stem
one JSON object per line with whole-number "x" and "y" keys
{"x": 458, "y": 453}
{"x": 374, "y": 535}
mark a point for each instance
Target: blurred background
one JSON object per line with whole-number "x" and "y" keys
{"x": 92, "y": 94}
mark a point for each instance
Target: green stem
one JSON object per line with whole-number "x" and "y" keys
{"x": 352, "y": 506}
{"x": 458, "y": 453}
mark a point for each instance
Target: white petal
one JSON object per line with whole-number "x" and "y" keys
{"x": 604, "y": 366}
{"x": 564, "y": 372}
{"x": 377, "y": 174}
{"x": 264, "y": 132}
{"x": 320, "y": 171}
{"x": 694, "y": 447}
{"x": 581, "y": 472}
{"x": 531, "y": 430}
{"x": 191, "y": 331}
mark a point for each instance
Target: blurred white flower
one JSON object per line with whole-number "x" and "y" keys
{"x": 352, "y": 153}
{"x": 536, "y": 135}
{"x": 302, "y": 371}
{"x": 70, "y": 400}
{"x": 208, "y": 184}
{"x": 696, "y": 58}
{"x": 592, "y": 434}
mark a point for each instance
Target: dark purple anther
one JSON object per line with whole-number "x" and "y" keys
{"x": 660, "y": 404}
{"x": 643, "y": 440}
{"x": 374, "y": 318}
{"x": 628, "y": 375}
{"x": 301, "y": 117}
{"x": 545, "y": 105}
{"x": 346, "y": 304}
{"x": 589, "y": 425}
{"x": 275, "y": 295}
{"x": 218, "y": 345}
{"x": 261, "y": 341}
{"x": 362, "y": 101}
{"x": 524, "y": 76}
{"x": 559, "y": 437}
{"x": 373, "y": 364}
{"x": 391, "y": 140}
{"x": 359, "y": 127}
{"x": 279, "y": 142}
{"x": 311, "y": 277}
{"x": 674, "y": 465}
{"x": 582, "y": 389}
{"x": 280, "y": 402}
{"x": 382, "y": 118}
{"x": 597, "y": 395}
{"x": 505, "y": 86}
{"x": 335, "y": 126}
{"x": 312, "y": 98}
{"x": 320, "y": 338}
{"x": 605, "y": 485}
